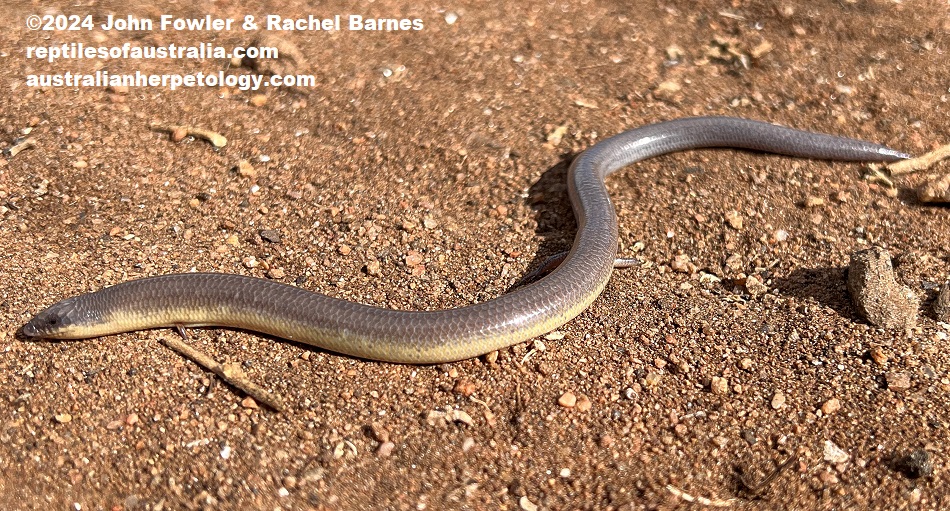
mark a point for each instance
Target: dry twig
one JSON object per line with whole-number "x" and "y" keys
{"x": 230, "y": 373}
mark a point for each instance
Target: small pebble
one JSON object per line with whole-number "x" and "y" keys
{"x": 827, "y": 477}
{"x": 63, "y": 418}
{"x": 935, "y": 190}
{"x": 755, "y": 286}
{"x": 373, "y": 268}
{"x": 897, "y": 381}
{"x": 289, "y": 482}
{"x": 245, "y": 169}
{"x": 835, "y": 454}
{"x": 567, "y": 400}
{"x": 749, "y": 436}
{"x": 553, "y": 139}
{"x": 878, "y": 355}
{"x": 583, "y": 404}
{"x": 915, "y": 495}
{"x": 258, "y": 100}
{"x": 527, "y": 505}
{"x": 249, "y": 403}
{"x": 915, "y": 464}
{"x": 385, "y": 449}
{"x": 464, "y": 387}
{"x": 875, "y": 291}
{"x": 734, "y": 219}
{"x": 719, "y": 385}
{"x": 682, "y": 264}
{"x": 270, "y": 235}
{"x": 413, "y": 258}
{"x": 778, "y": 400}
{"x": 275, "y": 273}
{"x": 830, "y": 406}
{"x": 652, "y": 379}
{"x": 379, "y": 432}
{"x": 667, "y": 91}
{"x": 674, "y": 53}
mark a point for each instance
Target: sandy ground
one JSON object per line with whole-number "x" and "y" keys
{"x": 424, "y": 170}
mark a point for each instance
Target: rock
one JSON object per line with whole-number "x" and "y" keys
{"x": 567, "y": 400}
{"x": 734, "y": 219}
{"x": 258, "y": 100}
{"x": 583, "y": 404}
{"x": 270, "y": 235}
{"x": 682, "y": 264}
{"x": 835, "y": 454}
{"x": 942, "y": 304}
{"x": 755, "y": 286}
{"x": 526, "y": 504}
{"x": 915, "y": 464}
{"x": 831, "y": 406}
{"x": 245, "y": 169}
{"x": 385, "y": 449}
{"x": 668, "y": 91}
{"x": 897, "y": 381}
{"x": 378, "y": 432}
{"x": 875, "y": 291}
{"x": 719, "y": 385}
{"x": 935, "y": 190}
{"x": 778, "y": 400}
{"x": 464, "y": 387}
{"x": 879, "y": 356}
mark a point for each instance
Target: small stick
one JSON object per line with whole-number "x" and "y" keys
{"x": 179, "y": 132}
{"x": 230, "y": 373}
{"x": 922, "y": 162}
